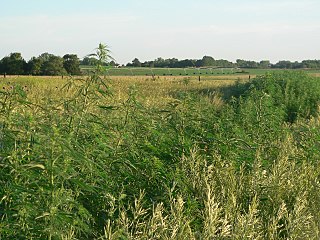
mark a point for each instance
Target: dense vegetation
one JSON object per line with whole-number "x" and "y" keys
{"x": 46, "y": 65}
{"x": 84, "y": 163}
{"x": 50, "y": 65}
{"x": 208, "y": 61}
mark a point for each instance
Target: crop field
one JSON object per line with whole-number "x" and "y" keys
{"x": 160, "y": 157}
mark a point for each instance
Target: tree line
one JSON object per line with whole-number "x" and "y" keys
{"x": 45, "y": 64}
{"x": 51, "y": 65}
{"x": 208, "y": 61}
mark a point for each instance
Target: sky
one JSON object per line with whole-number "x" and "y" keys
{"x": 147, "y": 29}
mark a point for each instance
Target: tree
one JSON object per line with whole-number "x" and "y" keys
{"x": 283, "y": 64}
{"x": 2, "y": 71}
{"x": 45, "y": 56}
{"x": 34, "y": 66}
{"x": 310, "y": 64}
{"x": 264, "y": 64}
{"x": 172, "y": 62}
{"x": 13, "y": 64}
{"x": 186, "y": 63}
{"x": 89, "y": 61}
{"x": 53, "y": 66}
{"x": 136, "y": 62}
{"x": 224, "y": 63}
{"x": 247, "y": 64}
{"x": 71, "y": 64}
{"x": 207, "y": 61}
{"x": 113, "y": 64}
{"x": 159, "y": 62}
{"x": 148, "y": 64}
{"x": 199, "y": 63}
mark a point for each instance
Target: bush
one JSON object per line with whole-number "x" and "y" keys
{"x": 295, "y": 92}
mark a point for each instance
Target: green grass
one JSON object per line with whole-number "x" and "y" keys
{"x": 130, "y": 71}
{"x": 166, "y": 71}
{"x": 264, "y": 71}
{"x": 164, "y": 158}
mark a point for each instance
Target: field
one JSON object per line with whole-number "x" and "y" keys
{"x": 163, "y": 157}
{"x": 124, "y": 71}
{"x": 142, "y": 71}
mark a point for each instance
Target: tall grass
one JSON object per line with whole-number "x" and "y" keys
{"x": 92, "y": 161}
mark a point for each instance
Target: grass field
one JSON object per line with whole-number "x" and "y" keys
{"x": 189, "y": 71}
{"x": 165, "y": 157}
{"x": 147, "y": 86}
{"x": 166, "y": 71}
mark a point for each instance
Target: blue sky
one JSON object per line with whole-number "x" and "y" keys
{"x": 229, "y": 29}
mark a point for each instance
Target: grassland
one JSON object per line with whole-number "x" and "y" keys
{"x": 168, "y": 157}
{"x": 159, "y": 90}
{"x": 142, "y": 71}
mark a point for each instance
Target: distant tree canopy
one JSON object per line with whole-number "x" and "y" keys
{"x": 34, "y": 66}
{"x": 13, "y": 64}
{"x": 71, "y": 64}
{"x": 89, "y": 61}
{"x": 49, "y": 64}
{"x": 206, "y": 61}
{"x": 53, "y": 66}
{"x": 136, "y": 63}
{"x": 45, "y": 64}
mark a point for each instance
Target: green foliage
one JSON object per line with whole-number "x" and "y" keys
{"x": 89, "y": 61}
{"x": 34, "y": 66}
{"x": 53, "y": 66}
{"x": 85, "y": 166}
{"x": 71, "y": 64}
{"x": 13, "y": 64}
{"x": 295, "y": 93}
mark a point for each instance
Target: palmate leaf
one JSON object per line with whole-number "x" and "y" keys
{"x": 103, "y": 54}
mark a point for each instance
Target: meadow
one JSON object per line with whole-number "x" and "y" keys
{"x": 168, "y": 157}
{"x": 217, "y": 71}
{"x": 144, "y": 71}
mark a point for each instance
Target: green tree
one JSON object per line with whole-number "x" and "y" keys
{"x": 45, "y": 56}
{"x": 264, "y": 64}
{"x": 89, "y": 61}
{"x": 283, "y": 64}
{"x": 113, "y": 64}
{"x": 34, "y": 66}
{"x": 136, "y": 62}
{"x": 247, "y": 64}
{"x": 207, "y": 61}
{"x": 53, "y": 66}
{"x": 13, "y": 64}
{"x": 224, "y": 63}
{"x": 71, "y": 64}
